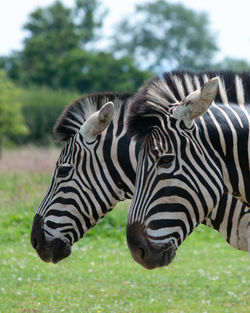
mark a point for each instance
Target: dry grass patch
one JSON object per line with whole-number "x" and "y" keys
{"x": 29, "y": 159}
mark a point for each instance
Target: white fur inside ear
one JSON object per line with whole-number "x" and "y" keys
{"x": 184, "y": 109}
{"x": 197, "y": 102}
{"x": 97, "y": 122}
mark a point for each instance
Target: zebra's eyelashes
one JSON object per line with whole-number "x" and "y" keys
{"x": 166, "y": 161}
{"x": 64, "y": 170}
{"x": 155, "y": 152}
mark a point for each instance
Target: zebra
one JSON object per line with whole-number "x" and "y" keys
{"x": 193, "y": 151}
{"x": 80, "y": 195}
{"x": 95, "y": 171}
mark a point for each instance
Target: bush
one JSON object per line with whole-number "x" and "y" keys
{"x": 11, "y": 119}
{"x": 41, "y": 108}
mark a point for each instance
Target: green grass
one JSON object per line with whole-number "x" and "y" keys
{"x": 207, "y": 275}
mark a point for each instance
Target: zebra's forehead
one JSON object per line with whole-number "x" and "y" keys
{"x": 67, "y": 151}
{"x": 158, "y": 144}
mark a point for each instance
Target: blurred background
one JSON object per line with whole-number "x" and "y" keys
{"x": 53, "y": 51}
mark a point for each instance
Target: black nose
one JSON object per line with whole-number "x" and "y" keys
{"x": 34, "y": 243}
{"x": 137, "y": 242}
{"x": 146, "y": 253}
{"x": 49, "y": 249}
{"x": 37, "y": 234}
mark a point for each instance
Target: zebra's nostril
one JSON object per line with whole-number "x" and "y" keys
{"x": 141, "y": 253}
{"x": 34, "y": 243}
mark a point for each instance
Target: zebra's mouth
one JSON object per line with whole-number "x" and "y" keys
{"x": 159, "y": 256}
{"x": 53, "y": 251}
{"x": 168, "y": 254}
{"x": 146, "y": 253}
{"x": 49, "y": 249}
{"x": 156, "y": 257}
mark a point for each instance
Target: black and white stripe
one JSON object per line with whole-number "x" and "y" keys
{"x": 187, "y": 163}
{"x": 91, "y": 177}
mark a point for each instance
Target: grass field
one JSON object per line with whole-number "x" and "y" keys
{"x": 207, "y": 275}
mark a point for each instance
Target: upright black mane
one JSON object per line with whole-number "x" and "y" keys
{"x": 228, "y": 77}
{"x": 159, "y": 93}
{"x": 76, "y": 113}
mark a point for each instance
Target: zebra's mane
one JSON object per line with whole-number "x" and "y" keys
{"x": 76, "y": 113}
{"x": 158, "y": 94}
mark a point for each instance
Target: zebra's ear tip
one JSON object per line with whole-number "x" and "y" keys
{"x": 215, "y": 80}
{"x": 211, "y": 87}
{"x": 106, "y": 112}
{"x": 109, "y": 104}
{"x": 209, "y": 91}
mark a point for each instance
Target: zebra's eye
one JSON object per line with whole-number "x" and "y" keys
{"x": 155, "y": 152}
{"x": 63, "y": 170}
{"x": 166, "y": 161}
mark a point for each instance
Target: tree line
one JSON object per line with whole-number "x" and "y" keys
{"x": 62, "y": 48}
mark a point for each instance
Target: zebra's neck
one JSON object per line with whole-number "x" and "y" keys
{"x": 223, "y": 131}
{"x": 120, "y": 155}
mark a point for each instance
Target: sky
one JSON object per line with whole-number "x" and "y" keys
{"x": 229, "y": 21}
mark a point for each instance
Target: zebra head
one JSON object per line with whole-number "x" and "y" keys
{"x": 177, "y": 182}
{"x": 85, "y": 184}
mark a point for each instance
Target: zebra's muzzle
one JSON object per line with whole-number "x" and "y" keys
{"x": 146, "y": 253}
{"x": 49, "y": 250}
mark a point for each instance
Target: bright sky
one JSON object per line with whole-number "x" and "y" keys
{"x": 229, "y": 21}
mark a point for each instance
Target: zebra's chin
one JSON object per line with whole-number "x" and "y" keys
{"x": 149, "y": 255}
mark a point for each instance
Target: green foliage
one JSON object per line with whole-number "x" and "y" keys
{"x": 12, "y": 66}
{"x": 100, "y": 71}
{"x": 41, "y": 108}
{"x": 57, "y": 53}
{"x": 11, "y": 118}
{"x": 91, "y": 19}
{"x": 233, "y": 64}
{"x": 52, "y": 35}
{"x": 207, "y": 275}
{"x": 165, "y": 35}
{"x": 62, "y": 29}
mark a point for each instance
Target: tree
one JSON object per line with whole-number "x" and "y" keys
{"x": 91, "y": 19}
{"x": 59, "y": 52}
{"x": 12, "y": 65}
{"x": 165, "y": 36}
{"x": 53, "y": 33}
{"x": 99, "y": 71}
{"x": 233, "y": 64}
{"x": 11, "y": 118}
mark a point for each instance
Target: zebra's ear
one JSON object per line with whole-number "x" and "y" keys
{"x": 97, "y": 122}
{"x": 197, "y": 102}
